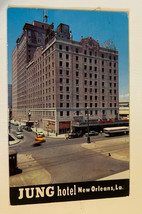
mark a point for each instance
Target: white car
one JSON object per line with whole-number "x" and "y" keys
{"x": 41, "y": 133}
{"x": 19, "y": 135}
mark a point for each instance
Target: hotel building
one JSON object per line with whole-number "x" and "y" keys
{"x": 59, "y": 80}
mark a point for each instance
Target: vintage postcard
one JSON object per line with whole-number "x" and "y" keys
{"x": 68, "y": 104}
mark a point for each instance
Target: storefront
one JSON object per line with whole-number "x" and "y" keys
{"x": 64, "y": 127}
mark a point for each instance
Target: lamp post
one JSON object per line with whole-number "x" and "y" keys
{"x": 29, "y": 115}
{"x": 88, "y": 137}
{"x": 47, "y": 129}
{"x": 36, "y": 126}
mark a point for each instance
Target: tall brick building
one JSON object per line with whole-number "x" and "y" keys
{"x": 57, "y": 79}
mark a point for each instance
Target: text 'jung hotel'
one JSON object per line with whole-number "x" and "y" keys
{"x": 58, "y": 79}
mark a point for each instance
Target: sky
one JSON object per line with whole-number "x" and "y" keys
{"x": 101, "y": 26}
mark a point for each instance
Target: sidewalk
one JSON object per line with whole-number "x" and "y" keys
{"x": 120, "y": 175}
{"x": 52, "y": 135}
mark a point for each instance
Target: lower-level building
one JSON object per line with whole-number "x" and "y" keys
{"x": 58, "y": 120}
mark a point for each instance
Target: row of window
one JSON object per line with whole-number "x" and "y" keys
{"x": 86, "y": 105}
{"x": 96, "y": 112}
{"x": 90, "y": 53}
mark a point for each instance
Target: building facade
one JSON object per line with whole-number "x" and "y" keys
{"x": 63, "y": 79}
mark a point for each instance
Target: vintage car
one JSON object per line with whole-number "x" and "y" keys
{"x": 92, "y": 133}
{"x": 40, "y": 138}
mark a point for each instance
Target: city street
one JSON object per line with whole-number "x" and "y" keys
{"x": 69, "y": 160}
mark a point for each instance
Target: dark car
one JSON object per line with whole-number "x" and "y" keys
{"x": 92, "y": 133}
{"x": 28, "y": 128}
{"x": 75, "y": 135}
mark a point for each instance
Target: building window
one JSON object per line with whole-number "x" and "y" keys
{"x": 60, "y": 47}
{"x": 67, "y": 81}
{"x": 85, "y": 105}
{"x": 85, "y": 89}
{"x": 61, "y": 88}
{"x": 90, "y": 68}
{"x": 60, "y": 63}
{"x": 91, "y": 105}
{"x": 77, "y": 89}
{"x": 85, "y": 74}
{"x": 67, "y": 56}
{"x": 76, "y": 50}
{"x": 61, "y": 80}
{"x": 77, "y": 97}
{"x": 61, "y": 113}
{"x": 67, "y": 97}
{"x": 77, "y": 105}
{"x": 67, "y": 89}
{"x": 96, "y": 97}
{"x": 77, "y": 113}
{"x": 85, "y": 82}
{"x": 67, "y": 73}
{"x": 67, "y": 48}
{"x": 90, "y": 60}
{"x": 61, "y": 72}
{"x": 67, "y": 105}
{"x": 61, "y": 105}
{"x": 85, "y": 67}
{"x": 67, "y": 64}
{"x": 77, "y": 74}
{"x": 76, "y": 58}
{"x": 68, "y": 113}
{"x": 90, "y": 97}
{"x": 85, "y": 52}
{"x": 60, "y": 55}
{"x": 90, "y": 53}
{"x": 85, "y": 59}
{"x": 103, "y": 104}
{"x": 85, "y": 97}
{"x": 77, "y": 66}
{"x": 61, "y": 96}
{"x": 77, "y": 82}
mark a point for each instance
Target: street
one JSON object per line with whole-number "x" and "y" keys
{"x": 72, "y": 160}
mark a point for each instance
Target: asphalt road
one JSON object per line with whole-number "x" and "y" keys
{"x": 74, "y": 160}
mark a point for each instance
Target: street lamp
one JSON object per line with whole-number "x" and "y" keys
{"x": 88, "y": 137}
{"x": 47, "y": 129}
{"x": 29, "y": 115}
{"x": 36, "y": 126}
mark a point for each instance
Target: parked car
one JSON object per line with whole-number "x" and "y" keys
{"x": 28, "y": 128}
{"x": 19, "y": 129}
{"x": 75, "y": 135}
{"x": 19, "y": 135}
{"x": 92, "y": 133}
